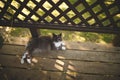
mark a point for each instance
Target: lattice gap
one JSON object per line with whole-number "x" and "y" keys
{"x": 90, "y": 2}
{"x": 101, "y": 16}
{"x": 113, "y": 10}
{"x": 55, "y": 13}
{"x": 6, "y": 16}
{"x": 25, "y": 11}
{"x": 71, "y": 14}
{"x": 77, "y": 21}
{"x": 106, "y": 22}
{"x": 21, "y": 17}
{"x": 116, "y": 17}
{"x": 40, "y": 12}
{"x": 34, "y": 17}
{"x": 63, "y": 6}
{"x": 15, "y": 4}
{"x": 31, "y": 4}
{"x": 47, "y": 5}
{"x": 86, "y": 15}
{"x": 48, "y": 18}
{"x": 80, "y": 7}
{"x": 55, "y": 1}
{"x": 109, "y": 2}
{"x": 97, "y": 9}
{"x": 2, "y": 4}
{"x": 63, "y": 19}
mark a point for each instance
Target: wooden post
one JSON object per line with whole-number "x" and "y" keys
{"x": 116, "y": 41}
{"x": 1, "y": 41}
{"x": 34, "y": 32}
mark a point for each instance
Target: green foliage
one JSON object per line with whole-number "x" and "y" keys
{"x": 20, "y": 32}
{"x": 72, "y": 1}
{"x": 67, "y": 35}
{"x": 93, "y": 37}
{"x": 76, "y": 36}
{"x": 90, "y": 2}
{"x": 107, "y": 37}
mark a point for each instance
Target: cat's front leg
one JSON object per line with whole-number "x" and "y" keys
{"x": 63, "y": 46}
{"x": 29, "y": 59}
{"x": 22, "y": 61}
{"x": 24, "y": 57}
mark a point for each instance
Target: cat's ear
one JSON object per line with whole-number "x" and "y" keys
{"x": 53, "y": 34}
{"x": 60, "y": 34}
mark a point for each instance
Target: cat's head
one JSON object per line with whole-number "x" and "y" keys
{"x": 57, "y": 37}
{"x": 57, "y": 42}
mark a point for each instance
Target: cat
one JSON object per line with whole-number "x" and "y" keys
{"x": 43, "y": 44}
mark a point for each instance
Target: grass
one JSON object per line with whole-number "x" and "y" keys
{"x": 20, "y": 32}
{"x": 67, "y": 35}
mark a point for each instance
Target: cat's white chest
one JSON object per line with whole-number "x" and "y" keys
{"x": 60, "y": 44}
{"x": 57, "y": 44}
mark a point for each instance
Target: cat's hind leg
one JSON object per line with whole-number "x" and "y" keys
{"x": 26, "y": 56}
{"x": 23, "y": 57}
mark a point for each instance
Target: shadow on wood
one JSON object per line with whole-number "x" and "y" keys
{"x": 72, "y": 64}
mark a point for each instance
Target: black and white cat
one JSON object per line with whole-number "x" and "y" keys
{"x": 42, "y": 44}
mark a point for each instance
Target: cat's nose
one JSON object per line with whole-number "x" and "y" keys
{"x": 59, "y": 39}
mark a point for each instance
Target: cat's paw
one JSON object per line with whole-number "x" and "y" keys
{"x": 29, "y": 61}
{"x": 63, "y": 48}
{"x": 22, "y": 61}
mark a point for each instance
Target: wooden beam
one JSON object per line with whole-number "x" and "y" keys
{"x": 34, "y": 32}
{"x": 116, "y": 40}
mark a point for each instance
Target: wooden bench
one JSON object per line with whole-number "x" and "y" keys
{"x": 81, "y": 63}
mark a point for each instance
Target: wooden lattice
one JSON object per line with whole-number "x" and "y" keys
{"x": 79, "y": 15}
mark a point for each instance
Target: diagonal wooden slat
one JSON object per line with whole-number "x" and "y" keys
{"x": 5, "y": 8}
{"x": 112, "y": 23}
{"x": 93, "y": 16}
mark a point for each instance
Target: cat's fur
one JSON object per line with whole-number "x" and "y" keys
{"x": 42, "y": 44}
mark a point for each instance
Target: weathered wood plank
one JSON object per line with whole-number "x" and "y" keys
{"x": 92, "y": 46}
{"x": 78, "y": 76}
{"x": 12, "y": 49}
{"x": 72, "y": 64}
{"x": 7, "y": 60}
{"x": 80, "y": 66}
{"x": 75, "y": 45}
{"x": 85, "y": 55}
{"x": 24, "y": 74}
{"x": 64, "y": 65}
